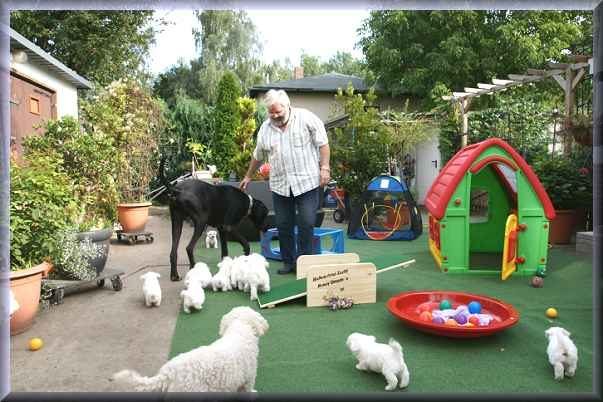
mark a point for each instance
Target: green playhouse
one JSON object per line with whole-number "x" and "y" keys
{"x": 489, "y": 213}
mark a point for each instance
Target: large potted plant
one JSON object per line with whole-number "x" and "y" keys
{"x": 581, "y": 129}
{"x": 133, "y": 119}
{"x": 42, "y": 203}
{"x": 569, "y": 187}
{"x": 88, "y": 159}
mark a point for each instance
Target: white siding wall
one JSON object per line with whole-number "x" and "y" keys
{"x": 66, "y": 93}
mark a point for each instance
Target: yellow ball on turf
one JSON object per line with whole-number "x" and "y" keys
{"x": 551, "y": 312}
{"x": 35, "y": 344}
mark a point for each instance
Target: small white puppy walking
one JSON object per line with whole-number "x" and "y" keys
{"x": 562, "y": 352}
{"x": 380, "y": 358}
{"x": 192, "y": 297}
{"x": 221, "y": 280}
{"x": 229, "y": 364}
{"x": 256, "y": 275}
{"x": 199, "y": 273}
{"x": 211, "y": 239}
{"x": 151, "y": 289}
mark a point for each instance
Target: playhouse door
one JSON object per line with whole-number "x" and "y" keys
{"x": 510, "y": 247}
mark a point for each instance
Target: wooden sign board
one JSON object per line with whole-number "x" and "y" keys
{"x": 306, "y": 262}
{"x": 357, "y": 281}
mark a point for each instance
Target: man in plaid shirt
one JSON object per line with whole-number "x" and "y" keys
{"x": 295, "y": 143}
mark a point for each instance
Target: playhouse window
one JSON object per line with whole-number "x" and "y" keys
{"x": 479, "y": 205}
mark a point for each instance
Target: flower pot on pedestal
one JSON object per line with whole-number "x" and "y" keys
{"x": 26, "y": 285}
{"x": 133, "y": 216}
{"x": 101, "y": 238}
{"x": 563, "y": 226}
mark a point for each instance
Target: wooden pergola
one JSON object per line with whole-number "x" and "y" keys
{"x": 567, "y": 75}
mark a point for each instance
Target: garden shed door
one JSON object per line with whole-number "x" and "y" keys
{"x": 30, "y": 105}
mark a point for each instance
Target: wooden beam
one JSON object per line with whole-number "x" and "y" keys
{"x": 560, "y": 81}
{"x": 504, "y": 83}
{"x": 534, "y": 71}
{"x": 578, "y": 66}
{"x": 579, "y": 58}
{"x": 476, "y": 90}
{"x": 578, "y": 78}
{"x": 562, "y": 66}
{"x": 486, "y": 86}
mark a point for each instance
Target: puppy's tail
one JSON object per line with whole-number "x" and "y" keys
{"x": 139, "y": 383}
{"x": 396, "y": 348}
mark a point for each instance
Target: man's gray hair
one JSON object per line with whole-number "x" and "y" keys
{"x": 276, "y": 96}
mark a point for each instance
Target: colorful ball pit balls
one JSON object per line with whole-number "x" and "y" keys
{"x": 425, "y": 316}
{"x": 460, "y": 319}
{"x": 475, "y": 307}
{"x": 445, "y": 305}
{"x": 437, "y": 320}
{"x": 551, "y": 312}
{"x": 474, "y": 320}
{"x": 451, "y": 322}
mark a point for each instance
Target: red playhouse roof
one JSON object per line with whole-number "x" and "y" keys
{"x": 451, "y": 175}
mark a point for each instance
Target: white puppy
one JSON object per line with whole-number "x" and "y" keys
{"x": 256, "y": 275}
{"x": 221, "y": 279}
{"x": 199, "y": 273}
{"x": 562, "y": 352}
{"x": 237, "y": 272}
{"x": 192, "y": 297}
{"x": 229, "y": 364}
{"x": 14, "y": 304}
{"x": 380, "y": 358}
{"x": 211, "y": 239}
{"x": 151, "y": 289}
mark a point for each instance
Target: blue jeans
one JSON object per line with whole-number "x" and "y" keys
{"x": 286, "y": 220}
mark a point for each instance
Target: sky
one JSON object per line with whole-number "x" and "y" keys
{"x": 283, "y": 33}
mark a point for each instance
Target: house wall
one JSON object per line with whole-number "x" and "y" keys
{"x": 66, "y": 93}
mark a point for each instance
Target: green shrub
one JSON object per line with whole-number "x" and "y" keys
{"x": 42, "y": 202}
{"x": 228, "y": 120}
{"x": 568, "y": 183}
{"x": 72, "y": 257}
{"x": 89, "y": 160}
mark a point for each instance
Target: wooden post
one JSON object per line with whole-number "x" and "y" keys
{"x": 465, "y": 116}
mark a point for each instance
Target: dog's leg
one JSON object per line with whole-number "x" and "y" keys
{"x": 197, "y": 232}
{"x": 223, "y": 243}
{"x": 392, "y": 381}
{"x": 558, "y": 370}
{"x": 177, "y": 220}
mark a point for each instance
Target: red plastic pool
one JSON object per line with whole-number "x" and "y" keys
{"x": 406, "y": 306}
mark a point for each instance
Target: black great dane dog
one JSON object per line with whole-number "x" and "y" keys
{"x": 222, "y": 207}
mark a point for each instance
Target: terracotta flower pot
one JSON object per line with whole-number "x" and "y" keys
{"x": 133, "y": 216}
{"x": 26, "y": 285}
{"x": 563, "y": 226}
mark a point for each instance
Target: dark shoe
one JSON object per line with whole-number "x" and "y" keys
{"x": 287, "y": 269}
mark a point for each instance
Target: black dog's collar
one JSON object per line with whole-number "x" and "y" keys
{"x": 250, "y": 204}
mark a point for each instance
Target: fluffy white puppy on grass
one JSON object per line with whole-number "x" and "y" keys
{"x": 151, "y": 289}
{"x": 211, "y": 239}
{"x": 237, "y": 272}
{"x": 192, "y": 297}
{"x": 256, "y": 275}
{"x": 221, "y": 279}
{"x": 380, "y": 358}
{"x": 562, "y": 352}
{"x": 229, "y": 364}
{"x": 199, "y": 273}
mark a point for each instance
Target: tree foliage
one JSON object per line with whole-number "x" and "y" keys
{"x": 227, "y": 40}
{"x": 412, "y": 52}
{"x": 359, "y": 150}
{"x": 227, "y": 122}
{"x": 102, "y": 46}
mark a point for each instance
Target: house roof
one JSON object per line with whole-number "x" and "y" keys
{"x": 40, "y": 57}
{"x": 318, "y": 83}
{"x": 445, "y": 184}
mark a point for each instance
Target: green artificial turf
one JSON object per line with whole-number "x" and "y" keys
{"x": 304, "y": 349}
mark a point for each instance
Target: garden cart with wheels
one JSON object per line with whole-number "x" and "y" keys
{"x": 57, "y": 288}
